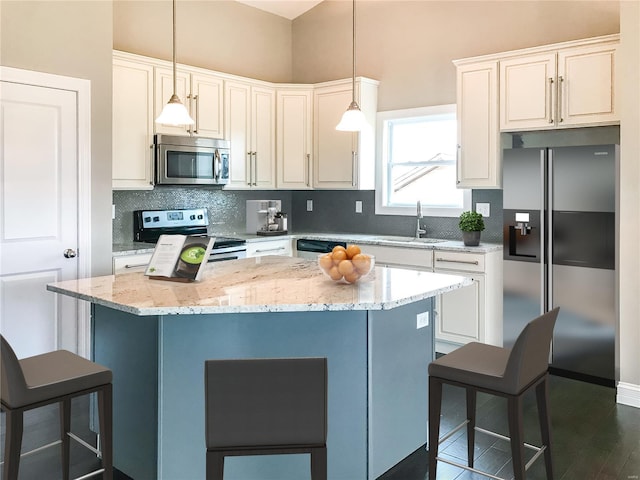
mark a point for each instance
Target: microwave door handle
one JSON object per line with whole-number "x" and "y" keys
{"x": 216, "y": 166}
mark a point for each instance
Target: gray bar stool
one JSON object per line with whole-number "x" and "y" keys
{"x": 503, "y": 372}
{"x": 51, "y": 378}
{"x": 266, "y": 407}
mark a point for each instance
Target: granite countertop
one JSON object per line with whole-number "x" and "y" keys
{"x": 262, "y": 284}
{"x": 121, "y": 249}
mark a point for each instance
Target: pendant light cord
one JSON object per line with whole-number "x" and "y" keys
{"x": 353, "y": 85}
{"x": 175, "y": 81}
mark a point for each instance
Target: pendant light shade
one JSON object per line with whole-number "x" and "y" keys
{"x": 174, "y": 113}
{"x": 353, "y": 120}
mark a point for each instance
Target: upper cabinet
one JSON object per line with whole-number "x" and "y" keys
{"x": 565, "y": 85}
{"x": 250, "y": 118}
{"x": 344, "y": 160}
{"x": 293, "y": 137}
{"x": 132, "y": 134}
{"x": 478, "y": 159}
{"x": 573, "y": 86}
{"x": 282, "y": 135}
{"x": 200, "y": 92}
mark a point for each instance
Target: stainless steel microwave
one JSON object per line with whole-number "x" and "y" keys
{"x": 182, "y": 160}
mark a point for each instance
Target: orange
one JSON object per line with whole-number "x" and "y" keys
{"x": 353, "y": 277}
{"x": 362, "y": 263}
{"x": 338, "y": 247}
{"x": 339, "y": 255}
{"x": 345, "y": 267}
{"x": 334, "y": 273}
{"x": 353, "y": 250}
{"x": 326, "y": 262}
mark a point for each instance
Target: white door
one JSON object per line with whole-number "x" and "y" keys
{"x": 39, "y": 152}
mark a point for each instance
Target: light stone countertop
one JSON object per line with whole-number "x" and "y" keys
{"x": 262, "y": 284}
{"x": 365, "y": 239}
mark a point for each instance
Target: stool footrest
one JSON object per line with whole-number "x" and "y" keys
{"x": 471, "y": 469}
{"x": 89, "y": 475}
{"x": 85, "y": 444}
{"x": 508, "y": 439}
{"x": 452, "y": 432}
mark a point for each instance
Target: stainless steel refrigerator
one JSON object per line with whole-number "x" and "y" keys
{"x": 559, "y": 250}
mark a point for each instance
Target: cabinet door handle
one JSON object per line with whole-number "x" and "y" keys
{"x": 353, "y": 168}
{"x": 560, "y": 87}
{"x": 249, "y": 168}
{"x": 255, "y": 169}
{"x": 136, "y": 265}
{"x": 467, "y": 262}
{"x": 269, "y": 249}
{"x": 550, "y": 100}
{"x": 197, "y": 115}
{"x": 190, "y": 108}
{"x": 308, "y": 172}
{"x": 458, "y": 164}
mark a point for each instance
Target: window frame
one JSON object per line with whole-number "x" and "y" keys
{"x": 381, "y": 164}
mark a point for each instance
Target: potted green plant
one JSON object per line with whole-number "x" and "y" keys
{"x": 471, "y": 224}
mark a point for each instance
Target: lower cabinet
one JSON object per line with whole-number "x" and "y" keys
{"x": 413, "y": 258}
{"x": 474, "y": 313}
{"x": 281, "y": 246}
{"x": 131, "y": 263}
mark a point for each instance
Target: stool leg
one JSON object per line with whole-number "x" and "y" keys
{"x": 215, "y": 465}
{"x": 13, "y": 444}
{"x": 542, "y": 395}
{"x": 516, "y": 427}
{"x": 471, "y": 426}
{"x": 105, "y": 411}
{"x": 319, "y": 463}
{"x": 435, "y": 400}
{"x": 65, "y": 427}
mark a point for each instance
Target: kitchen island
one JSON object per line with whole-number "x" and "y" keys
{"x": 155, "y": 335}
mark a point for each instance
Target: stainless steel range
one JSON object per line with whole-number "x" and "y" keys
{"x": 148, "y": 225}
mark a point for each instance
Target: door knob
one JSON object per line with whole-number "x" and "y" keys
{"x": 69, "y": 253}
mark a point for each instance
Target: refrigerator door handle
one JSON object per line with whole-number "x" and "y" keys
{"x": 543, "y": 262}
{"x": 550, "y": 230}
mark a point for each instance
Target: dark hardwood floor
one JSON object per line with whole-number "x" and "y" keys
{"x": 594, "y": 438}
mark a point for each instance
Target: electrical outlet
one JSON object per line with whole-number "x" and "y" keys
{"x": 358, "y": 206}
{"x": 309, "y": 205}
{"x": 422, "y": 320}
{"x": 484, "y": 209}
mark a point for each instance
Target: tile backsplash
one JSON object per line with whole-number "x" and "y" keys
{"x": 333, "y": 211}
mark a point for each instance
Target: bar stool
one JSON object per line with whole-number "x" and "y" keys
{"x": 266, "y": 407}
{"x": 49, "y": 378}
{"x": 503, "y": 372}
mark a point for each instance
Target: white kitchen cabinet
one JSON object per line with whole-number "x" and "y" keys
{"x": 132, "y": 136}
{"x": 568, "y": 86}
{"x": 131, "y": 263}
{"x": 478, "y": 162}
{"x": 280, "y": 246}
{"x": 343, "y": 160}
{"x": 293, "y": 138}
{"x": 200, "y": 92}
{"x": 473, "y": 313}
{"x": 250, "y": 118}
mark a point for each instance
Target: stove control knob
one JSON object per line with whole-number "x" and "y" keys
{"x": 69, "y": 253}
{"x": 192, "y": 217}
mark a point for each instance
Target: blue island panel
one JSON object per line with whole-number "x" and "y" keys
{"x": 186, "y": 341}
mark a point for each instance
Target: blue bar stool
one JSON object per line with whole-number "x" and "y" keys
{"x": 54, "y": 377}
{"x": 266, "y": 407}
{"x": 477, "y": 367}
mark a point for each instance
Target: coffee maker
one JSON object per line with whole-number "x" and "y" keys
{"x": 264, "y": 217}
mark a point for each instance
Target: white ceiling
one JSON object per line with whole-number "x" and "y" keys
{"x": 285, "y": 8}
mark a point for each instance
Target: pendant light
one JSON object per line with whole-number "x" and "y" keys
{"x": 174, "y": 113}
{"x": 353, "y": 119}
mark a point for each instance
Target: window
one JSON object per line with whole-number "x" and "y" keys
{"x": 417, "y": 162}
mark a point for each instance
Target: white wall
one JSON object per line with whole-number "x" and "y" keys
{"x": 629, "y": 327}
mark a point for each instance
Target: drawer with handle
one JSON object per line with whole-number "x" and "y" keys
{"x": 468, "y": 262}
{"x": 131, "y": 263}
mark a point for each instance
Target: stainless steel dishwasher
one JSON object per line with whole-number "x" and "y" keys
{"x": 308, "y": 248}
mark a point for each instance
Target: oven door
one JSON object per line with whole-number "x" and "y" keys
{"x": 190, "y": 165}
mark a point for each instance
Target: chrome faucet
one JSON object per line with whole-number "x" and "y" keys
{"x": 419, "y": 231}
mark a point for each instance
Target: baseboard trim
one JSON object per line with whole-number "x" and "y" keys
{"x": 628, "y": 394}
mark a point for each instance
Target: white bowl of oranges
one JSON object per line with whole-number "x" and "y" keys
{"x": 346, "y": 265}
